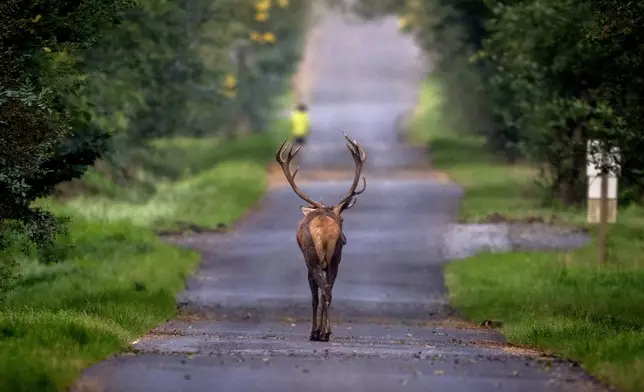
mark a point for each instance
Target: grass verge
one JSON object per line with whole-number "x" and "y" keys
{"x": 115, "y": 279}
{"x": 563, "y": 302}
{"x": 201, "y": 183}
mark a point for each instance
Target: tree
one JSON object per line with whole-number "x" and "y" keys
{"x": 44, "y": 138}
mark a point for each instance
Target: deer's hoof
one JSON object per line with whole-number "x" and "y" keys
{"x": 324, "y": 337}
{"x": 315, "y": 336}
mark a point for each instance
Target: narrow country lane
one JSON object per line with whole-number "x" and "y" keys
{"x": 245, "y": 314}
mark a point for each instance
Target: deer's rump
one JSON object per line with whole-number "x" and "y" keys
{"x": 318, "y": 239}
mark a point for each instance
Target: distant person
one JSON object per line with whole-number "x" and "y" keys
{"x": 300, "y": 123}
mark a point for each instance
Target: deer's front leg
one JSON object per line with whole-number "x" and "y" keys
{"x": 315, "y": 301}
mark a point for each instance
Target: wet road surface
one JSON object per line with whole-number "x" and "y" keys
{"x": 246, "y": 313}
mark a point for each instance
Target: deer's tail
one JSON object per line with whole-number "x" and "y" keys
{"x": 325, "y": 235}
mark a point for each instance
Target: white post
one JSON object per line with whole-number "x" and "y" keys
{"x": 595, "y": 157}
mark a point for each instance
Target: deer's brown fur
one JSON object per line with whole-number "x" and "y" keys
{"x": 324, "y": 232}
{"x": 321, "y": 239}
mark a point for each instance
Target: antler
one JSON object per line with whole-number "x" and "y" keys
{"x": 285, "y": 163}
{"x": 359, "y": 157}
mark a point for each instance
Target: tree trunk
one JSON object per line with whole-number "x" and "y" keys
{"x": 571, "y": 183}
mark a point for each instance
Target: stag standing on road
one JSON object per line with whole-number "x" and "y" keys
{"x": 320, "y": 237}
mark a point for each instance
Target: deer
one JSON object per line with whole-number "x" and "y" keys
{"x": 320, "y": 237}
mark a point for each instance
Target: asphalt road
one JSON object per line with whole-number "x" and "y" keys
{"x": 245, "y": 314}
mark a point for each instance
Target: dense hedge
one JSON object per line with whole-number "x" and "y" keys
{"x": 542, "y": 77}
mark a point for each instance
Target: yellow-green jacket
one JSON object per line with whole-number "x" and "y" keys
{"x": 299, "y": 123}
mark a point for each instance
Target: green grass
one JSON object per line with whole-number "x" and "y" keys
{"x": 492, "y": 185}
{"x": 114, "y": 285}
{"x": 563, "y": 302}
{"x": 115, "y": 279}
{"x": 204, "y": 182}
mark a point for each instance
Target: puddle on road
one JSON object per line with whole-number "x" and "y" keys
{"x": 465, "y": 240}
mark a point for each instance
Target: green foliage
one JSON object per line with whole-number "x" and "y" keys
{"x": 556, "y": 86}
{"x": 149, "y": 72}
{"x": 540, "y": 78}
{"x": 544, "y": 86}
{"x": 492, "y": 186}
{"x": 263, "y": 66}
{"x": 44, "y": 140}
{"x": 162, "y": 71}
{"x": 87, "y": 79}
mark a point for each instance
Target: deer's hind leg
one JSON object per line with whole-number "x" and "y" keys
{"x": 317, "y": 284}
{"x": 315, "y": 302}
{"x": 325, "y": 335}
{"x": 317, "y": 274}
{"x": 331, "y": 274}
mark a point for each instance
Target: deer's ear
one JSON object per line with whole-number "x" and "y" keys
{"x": 306, "y": 210}
{"x": 338, "y": 209}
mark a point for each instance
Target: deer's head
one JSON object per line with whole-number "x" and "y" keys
{"x": 348, "y": 201}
